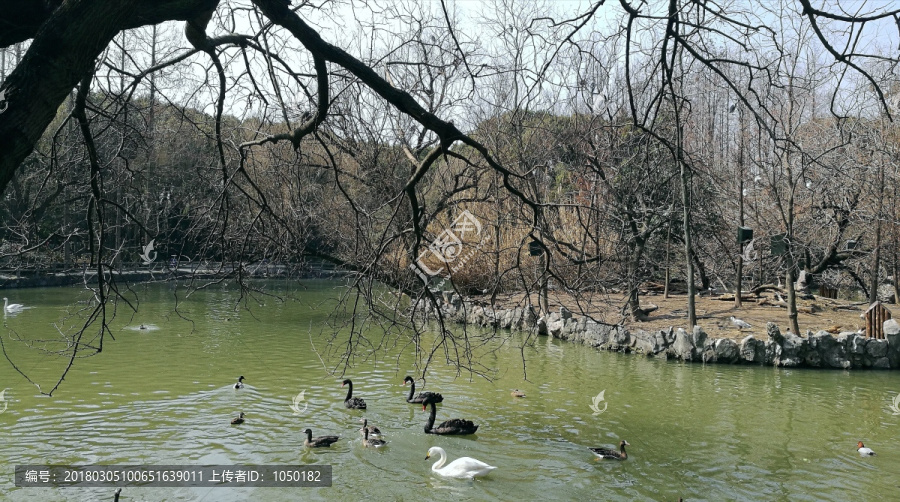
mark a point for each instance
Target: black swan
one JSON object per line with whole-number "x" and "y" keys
{"x": 422, "y": 396}
{"x": 455, "y": 426}
{"x": 240, "y": 382}
{"x": 613, "y": 454}
{"x": 354, "y": 403}
{"x": 370, "y": 429}
{"x": 320, "y": 441}
{"x": 374, "y": 443}
{"x": 239, "y": 420}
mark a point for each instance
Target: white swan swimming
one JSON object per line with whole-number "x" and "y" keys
{"x": 463, "y": 467}
{"x": 12, "y": 307}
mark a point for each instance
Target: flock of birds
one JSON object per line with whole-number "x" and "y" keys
{"x": 463, "y": 467}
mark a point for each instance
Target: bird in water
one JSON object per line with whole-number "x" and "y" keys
{"x": 240, "y": 383}
{"x": 239, "y": 420}
{"x": 369, "y": 429}
{"x": 116, "y": 495}
{"x": 739, "y": 323}
{"x": 612, "y": 454}
{"x": 354, "y": 403}
{"x": 319, "y": 441}
{"x": 421, "y": 396}
{"x": 373, "y": 442}
{"x": 12, "y": 307}
{"x": 517, "y": 393}
{"x": 863, "y": 450}
{"x": 463, "y": 467}
{"x": 454, "y": 426}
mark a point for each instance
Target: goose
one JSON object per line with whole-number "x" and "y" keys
{"x": 863, "y": 450}
{"x": 369, "y": 429}
{"x": 240, "y": 383}
{"x": 318, "y": 442}
{"x": 12, "y": 307}
{"x": 354, "y": 403}
{"x": 613, "y": 454}
{"x": 455, "y": 426}
{"x": 239, "y": 420}
{"x": 517, "y": 393}
{"x": 374, "y": 443}
{"x": 463, "y": 467}
{"x": 422, "y": 396}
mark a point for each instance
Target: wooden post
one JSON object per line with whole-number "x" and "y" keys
{"x": 876, "y": 314}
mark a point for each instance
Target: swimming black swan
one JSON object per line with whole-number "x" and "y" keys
{"x": 240, "y": 383}
{"x": 354, "y": 403}
{"x": 320, "y": 441}
{"x": 422, "y": 396}
{"x": 455, "y": 426}
{"x": 613, "y": 454}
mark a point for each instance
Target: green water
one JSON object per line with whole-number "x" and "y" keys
{"x": 164, "y": 396}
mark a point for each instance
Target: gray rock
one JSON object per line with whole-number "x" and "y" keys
{"x": 856, "y": 344}
{"x": 698, "y": 337}
{"x": 683, "y": 348}
{"x": 568, "y": 327}
{"x": 553, "y": 317}
{"x": 529, "y": 318}
{"x": 772, "y": 352}
{"x": 876, "y": 348}
{"x": 555, "y": 328}
{"x": 750, "y": 347}
{"x": 620, "y": 337}
{"x": 565, "y": 313}
{"x": 541, "y": 326}
{"x": 836, "y": 356}
{"x": 886, "y": 293}
{"x": 892, "y": 335}
{"x": 774, "y": 334}
{"x": 789, "y": 362}
{"x": 726, "y": 350}
{"x": 882, "y": 363}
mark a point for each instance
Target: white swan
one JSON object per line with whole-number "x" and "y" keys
{"x": 12, "y": 307}
{"x": 463, "y": 467}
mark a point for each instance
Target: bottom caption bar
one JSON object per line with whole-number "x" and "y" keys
{"x": 234, "y": 476}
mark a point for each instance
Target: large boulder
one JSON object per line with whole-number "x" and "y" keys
{"x": 774, "y": 334}
{"x": 683, "y": 348}
{"x": 726, "y": 350}
{"x": 892, "y": 335}
{"x": 542, "y": 326}
{"x": 876, "y": 349}
{"x": 772, "y": 352}
{"x": 565, "y": 313}
{"x": 698, "y": 338}
{"x": 752, "y": 350}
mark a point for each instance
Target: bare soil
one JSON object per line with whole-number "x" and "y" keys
{"x": 713, "y": 313}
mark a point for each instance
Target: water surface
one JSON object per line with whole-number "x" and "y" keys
{"x": 163, "y": 395}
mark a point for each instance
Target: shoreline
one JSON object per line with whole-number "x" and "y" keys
{"x": 847, "y": 350}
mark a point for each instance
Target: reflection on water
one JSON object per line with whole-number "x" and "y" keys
{"x": 698, "y": 432}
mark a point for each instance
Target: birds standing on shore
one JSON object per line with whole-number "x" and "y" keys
{"x": 739, "y": 323}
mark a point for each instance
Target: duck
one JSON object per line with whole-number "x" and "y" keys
{"x": 240, "y": 383}
{"x": 239, "y": 420}
{"x": 354, "y": 403}
{"x": 369, "y": 429}
{"x": 422, "y": 396}
{"x": 517, "y": 393}
{"x": 373, "y": 442}
{"x": 454, "y": 426}
{"x": 12, "y": 307}
{"x": 319, "y": 441}
{"x": 863, "y": 450}
{"x": 613, "y": 454}
{"x": 463, "y": 467}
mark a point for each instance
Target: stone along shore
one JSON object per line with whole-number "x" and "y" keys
{"x": 816, "y": 350}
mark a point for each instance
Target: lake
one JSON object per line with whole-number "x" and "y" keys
{"x": 164, "y": 396}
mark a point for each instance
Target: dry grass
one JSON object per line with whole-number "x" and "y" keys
{"x": 712, "y": 315}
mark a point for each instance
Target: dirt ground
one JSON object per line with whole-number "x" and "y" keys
{"x": 713, "y": 313}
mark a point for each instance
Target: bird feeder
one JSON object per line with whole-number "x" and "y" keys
{"x": 535, "y": 248}
{"x": 744, "y": 234}
{"x": 778, "y": 245}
